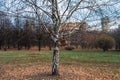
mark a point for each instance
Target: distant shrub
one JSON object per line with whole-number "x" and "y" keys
{"x": 105, "y": 42}
{"x": 69, "y": 48}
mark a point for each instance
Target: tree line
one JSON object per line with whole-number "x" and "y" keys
{"x": 22, "y": 34}
{"x": 96, "y": 39}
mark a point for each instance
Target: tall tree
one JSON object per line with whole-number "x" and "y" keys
{"x": 60, "y": 11}
{"x": 17, "y": 24}
{"x": 116, "y": 34}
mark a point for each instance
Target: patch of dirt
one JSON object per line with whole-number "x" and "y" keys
{"x": 42, "y": 71}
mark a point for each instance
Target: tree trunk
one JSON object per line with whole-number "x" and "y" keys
{"x": 5, "y": 47}
{"x": 18, "y": 45}
{"x": 5, "y": 43}
{"x": 50, "y": 47}
{"x": 0, "y": 46}
{"x": 55, "y": 67}
{"x": 39, "y": 44}
{"x": 56, "y": 24}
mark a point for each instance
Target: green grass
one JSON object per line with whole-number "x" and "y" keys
{"x": 91, "y": 56}
{"x": 24, "y": 57}
{"x": 65, "y": 56}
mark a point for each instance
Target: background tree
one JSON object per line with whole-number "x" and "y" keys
{"x": 18, "y": 31}
{"x": 105, "y": 42}
{"x": 84, "y": 39}
{"x": 116, "y": 34}
{"x": 29, "y": 36}
{"x": 5, "y": 27}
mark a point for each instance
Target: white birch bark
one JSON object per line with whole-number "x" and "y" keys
{"x": 56, "y": 25}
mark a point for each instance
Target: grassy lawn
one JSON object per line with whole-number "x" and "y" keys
{"x": 74, "y": 65}
{"x": 91, "y": 56}
{"x": 65, "y": 56}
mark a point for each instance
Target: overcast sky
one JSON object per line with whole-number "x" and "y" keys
{"x": 113, "y": 12}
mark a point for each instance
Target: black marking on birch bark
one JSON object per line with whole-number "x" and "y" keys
{"x": 55, "y": 67}
{"x": 55, "y": 38}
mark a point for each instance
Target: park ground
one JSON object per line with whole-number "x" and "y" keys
{"x": 74, "y": 65}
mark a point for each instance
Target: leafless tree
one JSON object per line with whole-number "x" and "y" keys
{"x": 61, "y": 11}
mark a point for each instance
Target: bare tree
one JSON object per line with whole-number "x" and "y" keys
{"x": 61, "y": 11}
{"x": 116, "y": 34}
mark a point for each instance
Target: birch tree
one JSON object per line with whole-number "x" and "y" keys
{"x": 54, "y": 13}
{"x": 61, "y": 11}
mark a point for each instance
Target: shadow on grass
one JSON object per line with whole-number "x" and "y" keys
{"x": 116, "y": 50}
{"x": 42, "y": 76}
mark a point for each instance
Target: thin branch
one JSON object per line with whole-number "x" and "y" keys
{"x": 66, "y": 9}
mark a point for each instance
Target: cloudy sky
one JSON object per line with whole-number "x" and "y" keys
{"x": 95, "y": 14}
